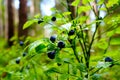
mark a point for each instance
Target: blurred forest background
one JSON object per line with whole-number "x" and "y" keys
{"x": 14, "y": 13}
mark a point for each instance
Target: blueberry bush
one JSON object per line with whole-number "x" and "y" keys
{"x": 78, "y": 49}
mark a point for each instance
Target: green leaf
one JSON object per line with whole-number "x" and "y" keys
{"x": 74, "y": 69}
{"x": 83, "y": 9}
{"x": 37, "y": 16}
{"x": 51, "y": 46}
{"x": 100, "y": 2}
{"x": 110, "y": 33}
{"x": 75, "y": 3}
{"x": 103, "y": 9}
{"x": 67, "y": 60}
{"x": 81, "y": 67}
{"x": 115, "y": 41}
{"x": 40, "y": 48}
{"x": 52, "y": 70}
{"x": 82, "y": 19}
{"x": 37, "y": 46}
{"x": 64, "y": 76}
{"x": 117, "y": 31}
{"x": 96, "y": 76}
{"x": 79, "y": 78}
{"x": 103, "y": 64}
{"x": 102, "y": 44}
{"x": 66, "y": 13}
{"x": 84, "y": 2}
{"x": 29, "y": 23}
{"x": 111, "y": 3}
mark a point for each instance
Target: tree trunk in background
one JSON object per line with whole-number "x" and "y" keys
{"x": 32, "y": 9}
{"x": 10, "y": 28}
{"x": 22, "y": 18}
{"x": 36, "y": 6}
{"x": 1, "y": 24}
{"x": 60, "y": 6}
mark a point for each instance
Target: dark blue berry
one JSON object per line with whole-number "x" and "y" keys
{"x": 53, "y": 18}
{"x": 61, "y": 44}
{"x": 17, "y": 60}
{"x": 51, "y": 55}
{"x": 71, "y": 32}
{"x": 59, "y": 64}
{"x": 52, "y": 39}
{"x": 24, "y": 54}
{"x": 100, "y": 18}
{"x": 40, "y": 21}
{"x": 21, "y": 43}
{"x": 108, "y": 59}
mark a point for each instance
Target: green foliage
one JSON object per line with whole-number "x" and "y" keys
{"x": 75, "y": 3}
{"x": 83, "y": 56}
{"x": 101, "y": 43}
{"x": 111, "y": 3}
{"x": 29, "y": 23}
{"x": 82, "y": 9}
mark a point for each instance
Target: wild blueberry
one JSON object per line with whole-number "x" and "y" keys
{"x": 51, "y": 55}
{"x": 108, "y": 59}
{"x": 59, "y": 64}
{"x": 53, "y": 18}
{"x": 100, "y": 18}
{"x": 61, "y": 44}
{"x": 21, "y": 43}
{"x": 17, "y": 60}
{"x": 40, "y": 21}
{"x": 71, "y": 32}
{"x": 52, "y": 39}
{"x": 24, "y": 54}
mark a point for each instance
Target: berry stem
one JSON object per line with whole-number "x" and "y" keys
{"x": 74, "y": 50}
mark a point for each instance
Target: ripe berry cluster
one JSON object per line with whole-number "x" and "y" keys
{"x": 60, "y": 45}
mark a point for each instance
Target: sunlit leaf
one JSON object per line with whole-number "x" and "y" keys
{"x": 102, "y": 44}
{"x": 40, "y": 48}
{"x": 75, "y": 3}
{"x": 66, "y": 13}
{"x": 111, "y": 3}
{"x": 117, "y": 31}
{"x": 83, "y": 9}
{"x": 37, "y": 46}
{"x": 37, "y": 16}
{"x": 100, "y": 2}
{"x": 103, "y": 64}
{"x": 64, "y": 76}
{"x": 29, "y": 23}
{"x": 115, "y": 41}
{"x": 111, "y": 33}
{"x": 96, "y": 76}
